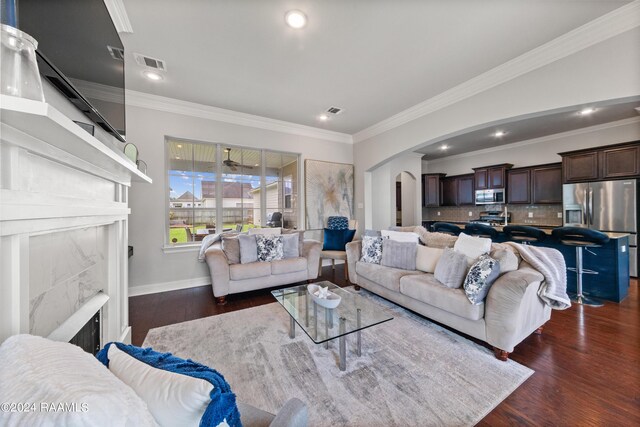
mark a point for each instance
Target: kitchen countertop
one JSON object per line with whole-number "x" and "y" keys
{"x": 546, "y": 228}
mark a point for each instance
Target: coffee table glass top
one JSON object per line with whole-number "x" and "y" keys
{"x": 322, "y": 324}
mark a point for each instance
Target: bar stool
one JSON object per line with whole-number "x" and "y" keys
{"x": 481, "y": 230}
{"x": 581, "y": 238}
{"x": 447, "y": 228}
{"x": 523, "y": 234}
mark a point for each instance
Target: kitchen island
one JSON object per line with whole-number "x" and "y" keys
{"x": 610, "y": 261}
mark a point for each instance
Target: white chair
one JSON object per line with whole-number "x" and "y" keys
{"x": 341, "y": 255}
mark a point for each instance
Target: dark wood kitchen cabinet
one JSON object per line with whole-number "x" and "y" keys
{"x": 620, "y": 162}
{"x": 432, "y": 189}
{"x": 466, "y": 192}
{"x": 449, "y": 192}
{"x": 519, "y": 186}
{"x": 617, "y": 161}
{"x": 491, "y": 176}
{"x": 546, "y": 184}
{"x": 580, "y": 167}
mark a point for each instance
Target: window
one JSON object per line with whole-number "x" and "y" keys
{"x": 258, "y": 189}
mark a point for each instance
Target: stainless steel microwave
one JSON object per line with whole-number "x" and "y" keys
{"x": 490, "y": 197}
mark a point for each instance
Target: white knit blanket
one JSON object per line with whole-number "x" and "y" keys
{"x": 209, "y": 240}
{"x": 550, "y": 263}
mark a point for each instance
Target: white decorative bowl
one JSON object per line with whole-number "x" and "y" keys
{"x": 332, "y": 300}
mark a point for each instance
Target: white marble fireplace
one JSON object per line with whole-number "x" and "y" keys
{"x": 63, "y": 226}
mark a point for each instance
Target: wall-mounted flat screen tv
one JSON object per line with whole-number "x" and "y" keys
{"x": 81, "y": 54}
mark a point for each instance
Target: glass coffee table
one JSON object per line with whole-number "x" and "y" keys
{"x": 353, "y": 314}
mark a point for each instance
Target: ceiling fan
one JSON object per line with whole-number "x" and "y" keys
{"x": 232, "y": 164}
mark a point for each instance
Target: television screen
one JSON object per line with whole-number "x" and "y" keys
{"x": 81, "y": 54}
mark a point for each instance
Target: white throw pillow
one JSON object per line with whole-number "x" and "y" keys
{"x": 472, "y": 247}
{"x": 266, "y": 231}
{"x": 401, "y": 236}
{"x": 44, "y": 372}
{"x": 427, "y": 258}
{"x": 173, "y": 399}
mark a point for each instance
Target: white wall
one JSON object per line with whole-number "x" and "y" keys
{"x": 538, "y": 151}
{"x": 383, "y": 200}
{"x": 147, "y": 128}
{"x": 604, "y": 71}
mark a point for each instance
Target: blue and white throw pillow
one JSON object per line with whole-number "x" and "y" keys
{"x": 270, "y": 248}
{"x": 372, "y": 249}
{"x": 481, "y": 276}
{"x": 338, "y": 223}
{"x": 176, "y": 391}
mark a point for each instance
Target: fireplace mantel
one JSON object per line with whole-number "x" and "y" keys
{"x": 63, "y": 224}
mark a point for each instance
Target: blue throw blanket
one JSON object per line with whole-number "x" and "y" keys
{"x": 223, "y": 401}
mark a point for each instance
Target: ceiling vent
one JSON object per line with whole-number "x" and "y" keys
{"x": 147, "y": 61}
{"x": 334, "y": 110}
{"x": 116, "y": 53}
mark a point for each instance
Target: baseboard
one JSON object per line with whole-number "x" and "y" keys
{"x": 175, "y": 285}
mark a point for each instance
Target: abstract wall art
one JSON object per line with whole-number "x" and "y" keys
{"x": 328, "y": 191}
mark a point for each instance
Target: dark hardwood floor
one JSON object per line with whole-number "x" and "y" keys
{"x": 586, "y": 363}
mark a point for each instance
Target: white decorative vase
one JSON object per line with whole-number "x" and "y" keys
{"x": 19, "y": 75}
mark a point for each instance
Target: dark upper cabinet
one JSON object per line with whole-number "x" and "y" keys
{"x": 620, "y": 162}
{"x": 491, "y": 176}
{"x": 519, "y": 186}
{"x": 546, "y": 184}
{"x": 481, "y": 178}
{"x": 596, "y": 164}
{"x": 466, "y": 192}
{"x": 431, "y": 189}
{"x": 449, "y": 192}
{"x": 580, "y": 167}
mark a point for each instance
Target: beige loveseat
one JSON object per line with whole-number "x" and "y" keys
{"x": 511, "y": 311}
{"x": 229, "y": 278}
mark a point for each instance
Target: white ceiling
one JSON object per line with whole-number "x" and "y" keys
{"x": 374, "y": 58}
{"x": 526, "y": 128}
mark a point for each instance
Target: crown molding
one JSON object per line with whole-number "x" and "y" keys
{"x": 600, "y": 29}
{"x": 192, "y": 109}
{"x": 575, "y": 132}
{"x": 119, "y": 16}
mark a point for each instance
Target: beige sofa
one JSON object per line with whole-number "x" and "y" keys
{"x": 511, "y": 311}
{"x": 229, "y": 278}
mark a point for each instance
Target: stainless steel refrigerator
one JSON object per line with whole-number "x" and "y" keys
{"x": 605, "y": 206}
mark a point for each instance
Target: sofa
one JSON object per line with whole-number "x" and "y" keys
{"x": 510, "y": 312}
{"x": 38, "y": 375}
{"x": 228, "y": 276}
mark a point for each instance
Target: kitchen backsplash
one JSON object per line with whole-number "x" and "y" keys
{"x": 542, "y": 214}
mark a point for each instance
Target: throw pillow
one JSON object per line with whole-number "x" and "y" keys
{"x": 451, "y": 268}
{"x": 231, "y": 248}
{"x": 427, "y": 258}
{"x": 336, "y": 240}
{"x": 299, "y": 233}
{"x": 480, "y": 278}
{"x": 276, "y": 231}
{"x": 372, "y": 233}
{"x": 472, "y": 247}
{"x": 270, "y": 248}
{"x": 436, "y": 240}
{"x": 338, "y": 223}
{"x": 399, "y": 254}
{"x": 248, "y": 249}
{"x": 507, "y": 259}
{"x": 372, "y": 249}
{"x": 36, "y": 369}
{"x": 401, "y": 236}
{"x": 290, "y": 246}
{"x": 177, "y": 391}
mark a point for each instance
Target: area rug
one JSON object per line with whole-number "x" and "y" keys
{"x": 411, "y": 372}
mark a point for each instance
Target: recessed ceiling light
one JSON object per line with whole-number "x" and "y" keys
{"x": 179, "y": 145}
{"x": 295, "y": 19}
{"x": 256, "y": 165}
{"x": 152, "y": 76}
{"x": 499, "y": 134}
{"x": 587, "y": 111}
{"x": 444, "y": 147}
{"x": 323, "y": 117}
{"x": 177, "y": 157}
